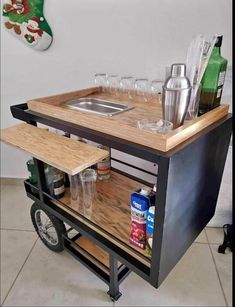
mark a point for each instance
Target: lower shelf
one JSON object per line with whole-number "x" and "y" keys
{"x": 111, "y": 214}
{"x": 93, "y": 252}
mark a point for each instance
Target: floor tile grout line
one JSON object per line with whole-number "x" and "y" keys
{"x": 205, "y": 243}
{"x": 12, "y": 229}
{"x": 8, "y": 292}
{"x": 217, "y": 272}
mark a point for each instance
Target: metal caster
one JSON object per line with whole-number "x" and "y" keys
{"x": 114, "y": 298}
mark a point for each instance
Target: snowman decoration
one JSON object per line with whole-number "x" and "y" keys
{"x": 32, "y": 32}
{"x": 34, "y": 35}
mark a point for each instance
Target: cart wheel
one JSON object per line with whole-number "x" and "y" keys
{"x": 49, "y": 228}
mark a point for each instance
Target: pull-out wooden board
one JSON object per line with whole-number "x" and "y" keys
{"x": 66, "y": 154}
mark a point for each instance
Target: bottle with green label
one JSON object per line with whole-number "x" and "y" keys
{"x": 213, "y": 79}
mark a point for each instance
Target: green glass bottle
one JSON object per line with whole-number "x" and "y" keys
{"x": 32, "y": 171}
{"x": 213, "y": 79}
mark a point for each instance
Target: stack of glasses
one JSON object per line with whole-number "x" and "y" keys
{"x": 130, "y": 86}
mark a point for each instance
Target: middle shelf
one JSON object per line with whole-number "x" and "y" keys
{"x": 111, "y": 212}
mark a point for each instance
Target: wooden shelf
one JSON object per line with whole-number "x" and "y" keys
{"x": 93, "y": 253}
{"x": 110, "y": 212}
{"x": 94, "y": 250}
{"x": 124, "y": 125}
{"x": 66, "y": 154}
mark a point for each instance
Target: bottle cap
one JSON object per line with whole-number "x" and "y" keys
{"x": 144, "y": 191}
{"x": 152, "y": 209}
{"x": 218, "y": 42}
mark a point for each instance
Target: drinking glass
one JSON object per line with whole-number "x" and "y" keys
{"x": 76, "y": 191}
{"x": 101, "y": 81}
{"x": 161, "y": 126}
{"x": 156, "y": 90}
{"x": 193, "y": 107}
{"x": 127, "y": 85}
{"x": 167, "y": 72}
{"x": 88, "y": 178}
{"x": 113, "y": 84}
{"x": 142, "y": 88}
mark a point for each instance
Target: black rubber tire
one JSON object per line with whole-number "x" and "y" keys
{"x": 58, "y": 224}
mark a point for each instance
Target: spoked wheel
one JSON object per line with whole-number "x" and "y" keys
{"x": 49, "y": 228}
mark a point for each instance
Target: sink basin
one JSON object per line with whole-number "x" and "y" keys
{"x": 98, "y": 106}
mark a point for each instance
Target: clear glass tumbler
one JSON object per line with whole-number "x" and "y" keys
{"x": 127, "y": 85}
{"x": 88, "y": 179}
{"x": 142, "y": 89}
{"x": 160, "y": 126}
{"x": 167, "y": 72}
{"x": 156, "y": 90}
{"x": 101, "y": 80}
{"x": 113, "y": 84}
{"x": 76, "y": 191}
{"x": 193, "y": 107}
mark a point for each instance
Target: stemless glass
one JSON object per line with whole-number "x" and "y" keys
{"x": 113, "y": 84}
{"x": 194, "y": 102}
{"x": 76, "y": 191}
{"x": 167, "y": 72}
{"x": 142, "y": 88}
{"x": 127, "y": 85}
{"x": 156, "y": 90}
{"x": 161, "y": 126}
{"x": 88, "y": 178}
{"x": 101, "y": 81}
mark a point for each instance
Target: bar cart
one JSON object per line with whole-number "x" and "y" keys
{"x": 189, "y": 166}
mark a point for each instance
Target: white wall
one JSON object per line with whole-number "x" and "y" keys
{"x": 138, "y": 37}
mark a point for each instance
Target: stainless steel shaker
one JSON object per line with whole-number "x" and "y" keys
{"x": 176, "y": 95}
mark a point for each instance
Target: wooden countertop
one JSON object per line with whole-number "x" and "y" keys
{"x": 124, "y": 125}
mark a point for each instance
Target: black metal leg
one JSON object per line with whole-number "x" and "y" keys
{"x": 41, "y": 181}
{"x": 113, "y": 282}
{"x": 228, "y": 230}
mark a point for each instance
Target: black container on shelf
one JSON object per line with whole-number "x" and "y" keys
{"x": 55, "y": 181}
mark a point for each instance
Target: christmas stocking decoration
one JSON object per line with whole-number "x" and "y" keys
{"x": 25, "y": 19}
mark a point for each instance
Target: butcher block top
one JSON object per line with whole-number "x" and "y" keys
{"x": 124, "y": 125}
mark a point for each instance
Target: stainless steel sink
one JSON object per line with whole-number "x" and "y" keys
{"x": 98, "y": 106}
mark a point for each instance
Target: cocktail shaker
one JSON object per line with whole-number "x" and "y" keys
{"x": 176, "y": 95}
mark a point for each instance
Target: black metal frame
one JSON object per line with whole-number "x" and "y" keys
{"x": 186, "y": 185}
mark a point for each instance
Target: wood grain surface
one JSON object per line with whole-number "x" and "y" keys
{"x": 94, "y": 250}
{"x": 66, "y": 154}
{"x": 124, "y": 125}
{"x": 110, "y": 210}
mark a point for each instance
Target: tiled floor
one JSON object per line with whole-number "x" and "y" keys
{"x": 32, "y": 275}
